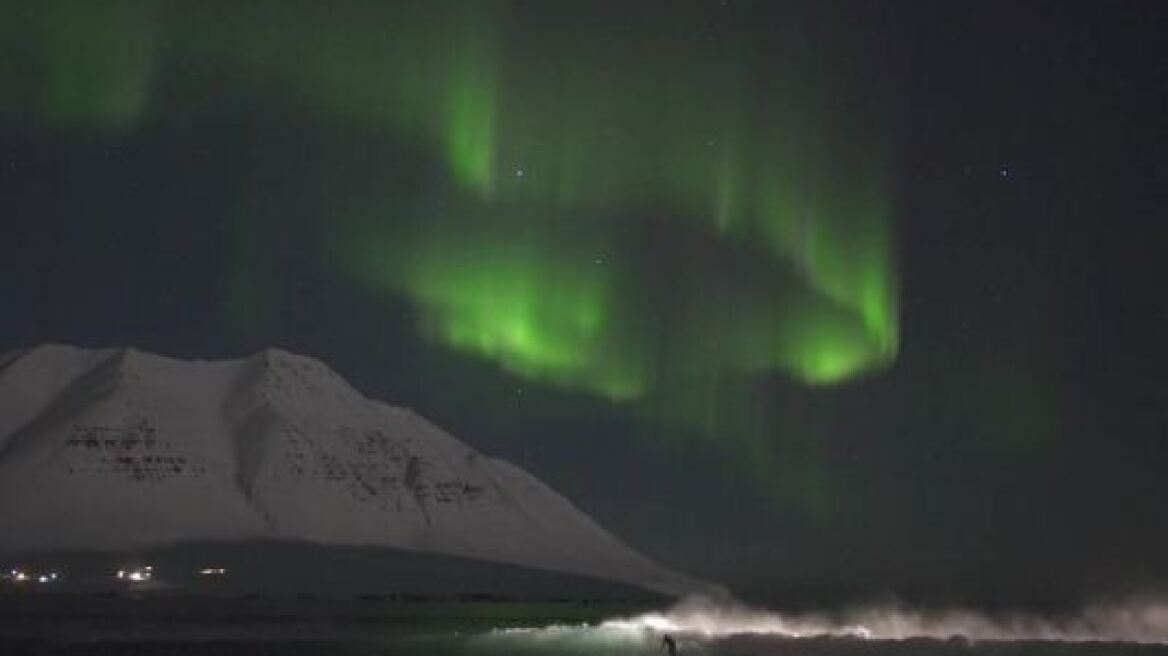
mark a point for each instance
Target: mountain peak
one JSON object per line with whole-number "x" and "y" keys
{"x": 122, "y": 449}
{"x": 277, "y": 355}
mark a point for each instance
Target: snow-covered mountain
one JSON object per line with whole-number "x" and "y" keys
{"x": 116, "y": 449}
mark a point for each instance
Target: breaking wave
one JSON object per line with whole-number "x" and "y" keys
{"x": 1133, "y": 621}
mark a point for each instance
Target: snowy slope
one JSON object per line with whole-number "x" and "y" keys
{"x": 119, "y": 449}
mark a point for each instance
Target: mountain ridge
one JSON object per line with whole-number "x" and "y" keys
{"x": 123, "y": 448}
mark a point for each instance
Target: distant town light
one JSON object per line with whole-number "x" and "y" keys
{"x": 136, "y": 574}
{"x": 17, "y": 575}
{"x": 213, "y": 571}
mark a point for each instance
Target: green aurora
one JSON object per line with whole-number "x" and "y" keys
{"x": 620, "y": 212}
{"x": 573, "y": 158}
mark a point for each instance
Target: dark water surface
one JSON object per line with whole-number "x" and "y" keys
{"x": 310, "y": 627}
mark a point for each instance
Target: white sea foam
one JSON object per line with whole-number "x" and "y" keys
{"x": 1134, "y": 620}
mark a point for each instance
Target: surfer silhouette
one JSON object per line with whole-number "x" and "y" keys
{"x": 668, "y": 644}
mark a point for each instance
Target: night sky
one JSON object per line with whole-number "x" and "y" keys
{"x": 824, "y": 301}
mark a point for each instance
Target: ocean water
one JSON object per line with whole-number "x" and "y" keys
{"x": 229, "y": 627}
{"x": 580, "y": 642}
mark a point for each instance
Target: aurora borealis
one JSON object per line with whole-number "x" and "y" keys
{"x": 869, "y": 286}
{"x": 554, "y": 164}
{"x": 563, "y": 170}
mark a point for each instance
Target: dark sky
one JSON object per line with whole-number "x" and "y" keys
{"x": 823, "y": 300}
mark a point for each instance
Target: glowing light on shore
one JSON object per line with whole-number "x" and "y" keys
{"x": 136, "y": 574}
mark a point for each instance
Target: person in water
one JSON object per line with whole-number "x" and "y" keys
{"x": 669, "y": 644}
